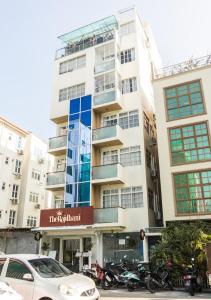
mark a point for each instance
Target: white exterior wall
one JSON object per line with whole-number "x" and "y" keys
{"x": 166, "y": 170}
{"x": 9, "y": 148}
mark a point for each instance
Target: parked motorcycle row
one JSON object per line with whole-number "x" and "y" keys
{"x": 137, "y": 276}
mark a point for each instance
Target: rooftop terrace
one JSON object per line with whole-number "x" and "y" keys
{"x": 185, "y": 66}
{"x": 87, "y": 36}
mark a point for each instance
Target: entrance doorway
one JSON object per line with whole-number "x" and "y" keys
{"x": 70, "y": 248}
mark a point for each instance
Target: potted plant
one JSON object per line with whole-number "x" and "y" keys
{"x": 45, "y": 247}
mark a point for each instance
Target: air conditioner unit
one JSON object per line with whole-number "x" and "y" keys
{"x": 14, "y": 201}
{"x": 17, "y": 175}
{"x": 37, "y": 206}
{"x": 20, "y": 151}
{"x": 41, "y": 160}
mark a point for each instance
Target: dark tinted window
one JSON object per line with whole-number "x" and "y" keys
{"x": 16, "y": 269}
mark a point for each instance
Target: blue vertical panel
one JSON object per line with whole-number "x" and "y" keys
{"x": 78, "y": 172}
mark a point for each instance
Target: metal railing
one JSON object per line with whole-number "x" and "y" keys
{"x": 185, "y": 66}
{"x": 84, "y": 44}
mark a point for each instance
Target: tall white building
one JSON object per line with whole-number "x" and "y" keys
{"x": 183, "y": 112}
{"x": 105, "y": 184}
{"x": 23, "y": 164}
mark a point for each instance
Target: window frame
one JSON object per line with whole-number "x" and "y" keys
{"x": 22, "y": 263}
{"x": 181, "y": 84}
{"x": 187, "y": 125}
{"x": 174, "y": 192}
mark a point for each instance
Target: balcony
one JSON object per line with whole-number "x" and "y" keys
{"x": 107, "y": 100}
{"x": 107, "y": 136}
{"x": 105, "y": 66}
{"x": 109, "y": 217}
{"x": 107, "y": 174}
{"x": 58, "y": 203}
{"x": 55, "y": 181}
{"x": 57, "y": 145}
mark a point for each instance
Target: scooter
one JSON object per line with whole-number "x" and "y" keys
{"x": 192, "y": 279}
{"x": 159, "y": 279}
{"x": 137, "y": 279}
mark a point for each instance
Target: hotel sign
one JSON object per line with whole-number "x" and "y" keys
{"x": 66, "y": 217}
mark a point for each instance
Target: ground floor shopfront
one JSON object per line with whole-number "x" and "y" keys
{"x": 76, "y": 240}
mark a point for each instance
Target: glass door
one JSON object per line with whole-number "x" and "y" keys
{"x": 70, "y": 248}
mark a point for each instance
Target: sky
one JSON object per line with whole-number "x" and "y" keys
{"x": 29, "y": 31}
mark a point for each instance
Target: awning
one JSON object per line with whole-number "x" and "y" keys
{"x": 87, "y": 31}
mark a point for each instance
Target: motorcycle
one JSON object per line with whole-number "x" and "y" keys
{"x": 97, "y": 274}
{"x": 160, "y": 278}
{"x": 192, "y": 279}
{"x": 137, "y": 279}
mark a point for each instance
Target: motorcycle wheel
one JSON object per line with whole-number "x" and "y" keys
{"x": 105, "y": 284}
{"x": 130, "y": 286}
{"x": 151, "y": 285}
{"x": 170, "y": 285}
{"x": 192, "y": 289}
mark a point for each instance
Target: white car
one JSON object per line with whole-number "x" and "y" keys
{"x": 38, "y": 277}
{"x": 7, "y": 293}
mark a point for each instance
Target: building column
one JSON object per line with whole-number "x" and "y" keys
{"x": 146, "y": 249}
{"x": 99, "y": 248}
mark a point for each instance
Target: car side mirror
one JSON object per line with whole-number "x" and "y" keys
{"x": 28, "y": 277}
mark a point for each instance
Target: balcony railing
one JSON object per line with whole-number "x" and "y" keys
{"x": 108, "y": 215}
{"x": 56, "y": 178}
{"x": 106, "y": 98}
{"x": 105, "y": 66}
{"x": 188, "y": 65}
{"x": 57, "y": 142}
{"x": 110, "y": 135}
{"x": 107, "y": 173}
{"x": 84, "y": 44}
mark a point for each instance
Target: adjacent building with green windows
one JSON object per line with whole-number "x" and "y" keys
{"x": 183, "y": 113}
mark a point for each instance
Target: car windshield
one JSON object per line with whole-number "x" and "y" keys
{"x": 49, "y": 268}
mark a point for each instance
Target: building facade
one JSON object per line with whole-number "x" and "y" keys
{"x": 24, "y": 162}
{"x": 105, "y": 185}
{"x": 183, "y": 113}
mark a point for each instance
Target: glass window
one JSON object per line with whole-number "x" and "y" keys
{"x": 190, "y": 143}
{"x": 127, "y": 28}
{"x": 72, "y": 64}
{"x": 72, "y": 92}
{"x": 130, "y": 156}
{"x": 104, "y": 82}
{"x": 31, "y": 221}
{"x": 127, "y": 55}
{"x": 86, "y": 103}
{"x": 15, "y": 189}
{"x": 12, "y": 217}
{"x": 129, "y": 119}
{"x": 74, "y": 106}
{"x": 129, "y": 85}
{"x": 129, "y": 197}
{"x": 16, "y": 269}
{"x": 184, "y": 100}
{"x": 193, "y": 192}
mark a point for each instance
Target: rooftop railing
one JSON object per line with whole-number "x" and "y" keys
{"x": 84, "y": 44}
{"x": 185, "y": 66}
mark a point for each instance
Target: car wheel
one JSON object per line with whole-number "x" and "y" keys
{"x": 45, "y": 298}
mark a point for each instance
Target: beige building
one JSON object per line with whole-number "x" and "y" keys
{"x": 23, "y": 163}
{"x": 183, "y": 113}
{"x": 105, "y": 184}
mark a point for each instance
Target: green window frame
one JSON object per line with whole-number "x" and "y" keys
{"x": 184, "y": 100}
{"x": 193, "y": 192}
{"x": 190, "y": 143}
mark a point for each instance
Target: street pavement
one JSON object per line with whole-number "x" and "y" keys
{"x": 118, "y": 294}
